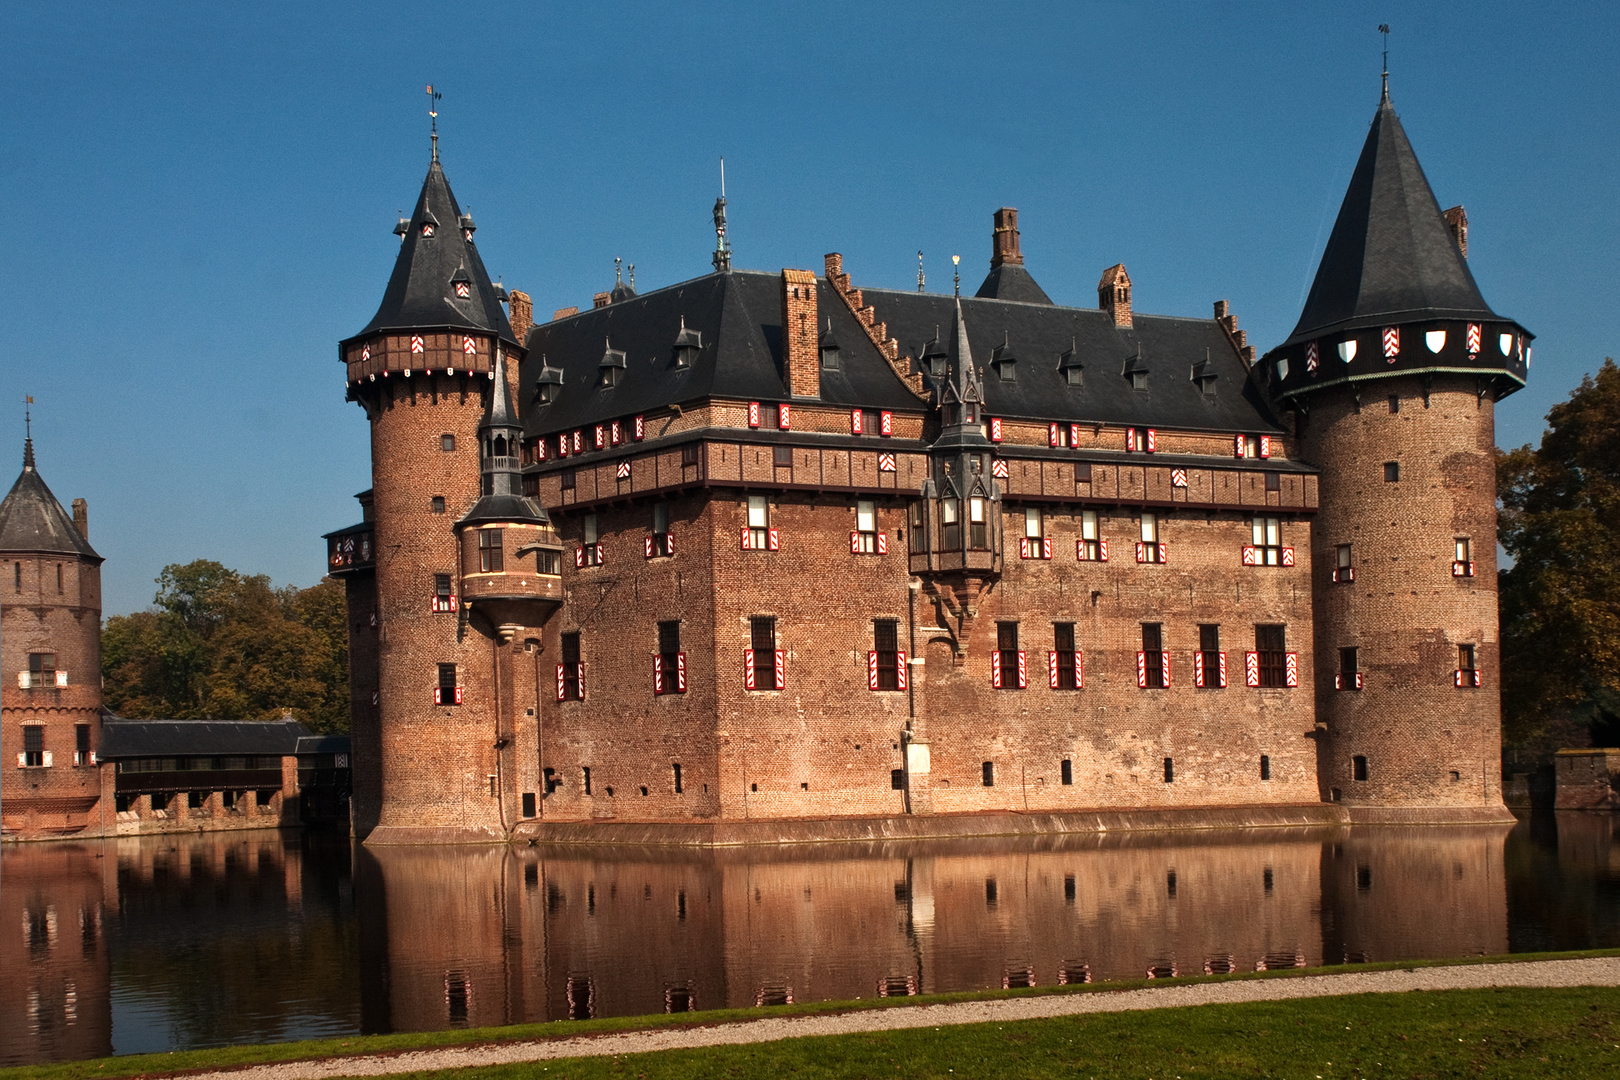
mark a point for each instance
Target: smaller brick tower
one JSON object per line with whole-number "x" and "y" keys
{"x": 1392, "y": 374}
{"x": 425, "y": 370}
{"x": 50, "y": 655}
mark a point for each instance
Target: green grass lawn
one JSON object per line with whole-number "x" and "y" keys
{"x": 869, "y": 1055}
{"x": 1454, "y": 1033}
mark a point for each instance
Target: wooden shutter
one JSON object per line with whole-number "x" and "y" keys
{"x": 748, "y": 670}
{"x": 680, "y": 673}
{"x": 1152, "y": 441}
{"x": 753, "y": 414}
{"x": 1251, "y": 555}
{"x": 669, "y": 542}
{"x": 781, "y": 669}
{"x": 1198, "y": 670}
{"x": 1141, "y": 670}
{"x": 1288, "y": 556}
{"x": 854, "y": 543}
{"x": 1023, "y": 670}
{"x": 1251, "y": 669}
{"x": 1052, "y": 670}
{"x": 639, "y": 432}
{"x": 599, "y": 437}
{"x": 784, "y": 417}
{"x": 773, "y": 540}
{"x": 579, "y": 557}
{"x": 1164, "y": 666}
{"x": 995, "y": 429}
{"x": 995, "y": 669}
{"x": 885, "y": 423}
{"x": 1237, "y": 446}
{"x": 746, "y": 532}
{"x": 1102, "y": 551}
{"x": 562, "y": 685}
{"x": 855, "y": 421}
{"x": 1079, "y": 670}
{"x": 1074, "y": 435}
{"x": 647, "y": 546}
{"x": 615, "y": 433}
{"x": 658, "y": 673}
{"x": 1291, "y": 671}
{"x": 872, "y": 670}
{"x": 1265, "y": 446}
{"x": 1222, "y": 674}
{"x": 1051, "y": 434}
{"x": 882, "y": 543}
{"x": 1130, "y": 438}
{"x": 1046, "y": 547}
{"x": 899, "y": 670}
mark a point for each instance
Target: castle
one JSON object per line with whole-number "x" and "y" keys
{"x": 773, "y": 556}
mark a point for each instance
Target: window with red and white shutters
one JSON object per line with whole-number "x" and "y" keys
{"x": 1065, "y": 667}
{"x": 1271, "y": 664}
{"x": 764, "y": 665}
{"x": 1209, "y": 662}
{"x": 866, "y": 539}
{"x": 1009, "y": 668}
{"x": 669, "y": 663}
{"x": 886, "y": 662}
{"x": 1153, "y": 662}
{"x": 571, "y": 672}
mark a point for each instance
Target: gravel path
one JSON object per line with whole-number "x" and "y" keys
{"x": 1603, "y": 971}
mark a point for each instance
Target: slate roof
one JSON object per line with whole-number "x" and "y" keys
{"x": 738, "y": 315}
{"x": 122, "y": 738}
{"x": 1390, "y": 258}
{"x": 32, "y": 520}
{"x": 1037, "y": 335}
{"x": 420, "y": 293}
{"x": 1010, "y": 281}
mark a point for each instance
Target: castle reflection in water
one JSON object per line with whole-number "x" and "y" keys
{"x": 164, "y": 942}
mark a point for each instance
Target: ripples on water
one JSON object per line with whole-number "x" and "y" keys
{"x": 165, "y": 943}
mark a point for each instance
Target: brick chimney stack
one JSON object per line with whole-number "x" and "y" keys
{"x": 521, "y": 315}
{"x": 1004, "y": 241}
{"x": 81, "y": 517}
{"x": 1457, "y": 222}
{"x": 1114, "y": 294}
{"x": 800, "y": 333}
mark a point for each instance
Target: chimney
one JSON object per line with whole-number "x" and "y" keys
{"x": 563, "y": 313}
{"x": 1114, "y": 294}
{"x": 800, "y": 340}
{"x": 522, "y": 314}
{"x": 81, "y": 517}
{"x": 1457, "y": 222}
{"x": 601, "y": 299}
{"x": 1004, "y": 241}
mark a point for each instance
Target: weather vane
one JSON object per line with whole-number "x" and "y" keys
{"x": 956, "y": 279}
{"x": 722, "y": 247}
{"x": 1383, "y": 28}
{"x": 433, "y": 115}
{"x": 920, "y": 278}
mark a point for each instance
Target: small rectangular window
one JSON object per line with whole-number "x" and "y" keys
{"x": 1348, "y": 660}
{"x": 1089, "y": 537}
{"x": 568, "y": 479}
{"x": 1392, "y": 472}
{"x": 447, "y": 442}
{"x": 1067, "y": 768}
{"x": 1273, "y": 481}
{"x": 33, "y": 746}
{"x": 679, "y": 788}
{"x": 571, "y": 664}
{"x": 897, "y": 779}
{"x": 1064, "y": 650}
{"x": 950, "y": 520}
{"x": 660, "y": 517}
{"x": 1358, "y": 767}
{"x": 447, "y": 685}
{"x": 81, "y": 738}
{"x": 866, "y": 526}
{"x": 585, "y": 778}
{"x": 436, "y": 504}
{"x": 1151, "y": 551}
{"x": 1394, "y": 403}
{"x": 489, "y": 551}
{"x": 1007, "y": 646}
{"x": 1265, "y": 767}
{"x": 1209, "y": 648}
{"x": 689, "y": 453}
{"x": 886, "y": 643}
{"x": 528, "y": 804}
{"x": 42, "y": 668}
{"x": 1033, "y": 523}
{"x": 1271, "y": 648}
{"x": 1169, "y": 770}
{"x": 782, "y": 456}
{"x": 978, "y": 525}
{"x": 1465, "y": 658}
{"x": 989, "y": 774}
{"x": 1153, "y": 655}
{"x": 762, "y": 638}
{"x": 758, "y": 521}
{"x": 589, "y": 526}
{"x": 1465, "y": 549}
{"x": 1266, "y": 533}
{"x": 1343, "y": 554}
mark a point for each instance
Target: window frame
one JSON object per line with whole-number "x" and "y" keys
{"x": 491, "y": 551}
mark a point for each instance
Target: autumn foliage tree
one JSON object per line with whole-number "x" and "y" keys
{"x": 220, "y": 645}
{"x": 1561, "y": 599}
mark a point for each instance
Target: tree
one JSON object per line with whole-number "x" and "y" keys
{"x": 1561, "y": 598}
{"x": 220, "y": 645}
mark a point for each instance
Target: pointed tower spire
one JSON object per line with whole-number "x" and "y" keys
{"x": 28, "y": 435}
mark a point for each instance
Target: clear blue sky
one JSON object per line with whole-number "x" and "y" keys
{"x": 201, "y": 196}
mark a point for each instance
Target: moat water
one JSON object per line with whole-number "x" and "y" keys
{"x": 166, "y": 943}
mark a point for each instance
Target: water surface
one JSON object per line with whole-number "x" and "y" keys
{"x": 162, "y": 943}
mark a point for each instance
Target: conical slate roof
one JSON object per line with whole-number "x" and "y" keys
{"x": 1391, "y": 258}
{"x": 421, "y": 293}
{"x": 1010, "y": 281}
{"x": 31, "y": 520}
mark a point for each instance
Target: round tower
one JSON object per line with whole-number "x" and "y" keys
{"x": 425, "y": 371}
{"x": 1392, "y": 374}
{"x": 50, "y": 659}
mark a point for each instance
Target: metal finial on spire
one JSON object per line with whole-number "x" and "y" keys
{"x": 433, "y": 115}
{"x": 632, "y": 276}
{"x": 956, "y": 261}
{"x": 28, "y": 428}
{"x": 618, "y": 276}
{"x": 1383, "y": 28}
{"x": 722, "y": 247}
{"x": 920, "y": 278}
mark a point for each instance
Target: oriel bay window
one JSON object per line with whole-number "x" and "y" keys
{"x": 886, "y": 663}
{"x": 1034, "y": 544}
{"x": 1064, "y": 664}
{"x": 1267, "y": 548}
{"x": 1209, "y": 663}
{"x": 447, "y": 692}
{"x": 866, "y": 539}
{"x": 950, "y": 521}
{"x": 571, "y": 671}
{"x": 757, "y": 534}
{"x": 1150, "y": 549}
{"x": 978, "y": 524}
{"x": 1008, "y": 668}
{"x": 1153, "y": 663}
{"x": 1090, "y": 547}
{"x": 669, "y": 663}
{"x": 1271, "y": 664}
{"x": 764, "y": 665}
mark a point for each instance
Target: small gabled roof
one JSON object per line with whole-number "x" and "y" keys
{"x": 1391, "y": 257}
{"x": 32, "y": 520}
{"x": 420, "y": 293}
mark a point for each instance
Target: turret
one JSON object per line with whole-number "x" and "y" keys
{"x": 430, "y": 370}
{"x": 1392, "y": 375}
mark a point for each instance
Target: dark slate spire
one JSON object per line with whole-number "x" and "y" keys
{"x": 500, "y": 439}
{"x": 1391, "y": 258}
{"x": 31, "y": 520}
{"x": 436, "y": 253}
{"x": 962, "y": 396}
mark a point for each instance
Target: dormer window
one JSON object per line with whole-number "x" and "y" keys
{"x": 1003, "y": 360}
{"x": 934, "y": 356}
{"x": 427, "y": 228}
{"x": 1136, "y": 371}
{"x": 463, "y": 290}
{"x": 1203, "y": 373}
{"x": 1069, "y": 365}
{"x": 549, "y": 384}
{"x": 461, "y": 283}
{"x": 688, "y": 343}
{"x": 612, "y": 366}
{"x": 829, "y": 348}
{"x": 467, "y": 227}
